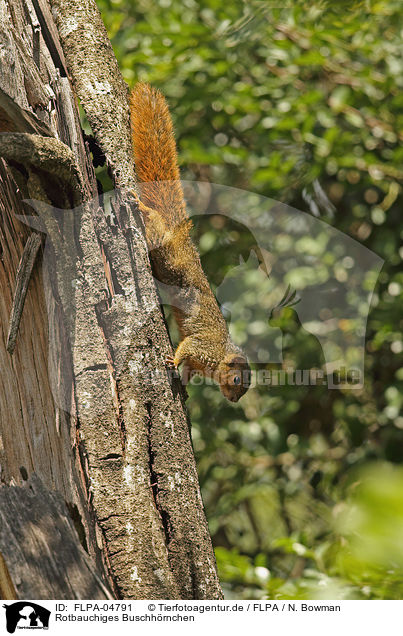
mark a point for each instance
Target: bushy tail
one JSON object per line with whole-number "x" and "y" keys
{"x": 155, "y": 155}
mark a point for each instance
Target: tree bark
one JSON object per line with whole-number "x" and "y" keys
{"x": 86, "y": 403}
{"x": 35, "y": 521}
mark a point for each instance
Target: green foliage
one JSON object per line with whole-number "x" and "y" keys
{"x": 302, "y": 104}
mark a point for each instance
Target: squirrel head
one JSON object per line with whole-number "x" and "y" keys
{"x": 233, "y": 376}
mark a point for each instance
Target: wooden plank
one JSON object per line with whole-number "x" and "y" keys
{"x": 14, "y": 118}
{"x": 50, "y": 35}
{"x": 22, "y": 281}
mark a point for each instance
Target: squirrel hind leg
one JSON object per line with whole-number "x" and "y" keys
{"x": 155, "y": 226}
{"x": 183, "y": 352}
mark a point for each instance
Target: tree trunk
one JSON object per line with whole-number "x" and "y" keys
{"x": 86, "y": 403}
{"x": 35, "y": 521}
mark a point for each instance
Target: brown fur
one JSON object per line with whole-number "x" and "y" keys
{"x": 205, "y": 344}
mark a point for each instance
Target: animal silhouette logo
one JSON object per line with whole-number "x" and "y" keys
{"x": 302, "y": 268}
{"x": 26, "y": 615}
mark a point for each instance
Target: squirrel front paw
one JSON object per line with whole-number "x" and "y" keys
{"x": 170, "y": 362}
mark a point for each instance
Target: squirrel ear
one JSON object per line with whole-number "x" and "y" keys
{"x": 236, "y": 360}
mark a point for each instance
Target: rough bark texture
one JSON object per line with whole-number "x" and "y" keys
{"x": 85, "y": 399}
{"x": 97, "y": 83}
{"x": 38, "y": 541}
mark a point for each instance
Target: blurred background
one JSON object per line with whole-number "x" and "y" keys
{"x": 303, "y": 486}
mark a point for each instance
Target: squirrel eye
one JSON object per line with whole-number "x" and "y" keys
{"x": 237, "y": 380}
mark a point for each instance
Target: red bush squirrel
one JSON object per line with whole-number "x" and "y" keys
{"x": 205, "y": 345}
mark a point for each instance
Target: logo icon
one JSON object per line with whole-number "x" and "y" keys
{"x": 305, "y": 286}
{"x": 26, "y": 615}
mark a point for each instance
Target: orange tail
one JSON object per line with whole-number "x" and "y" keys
{"x": 155, "y": 154}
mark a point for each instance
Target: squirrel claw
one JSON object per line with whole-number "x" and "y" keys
{"x": 169, "y": 360}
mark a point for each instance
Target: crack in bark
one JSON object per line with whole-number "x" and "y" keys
{"x": 111, "y": 456}
{"x": 78, "y": 523}
{"x": 112, "y": 372}
{"x": 164, "y": 515}
{"x": 103, "y": 519}
{"x": 117, "y": 287}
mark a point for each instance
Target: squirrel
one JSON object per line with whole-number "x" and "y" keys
{"x": 205, "y": 346}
